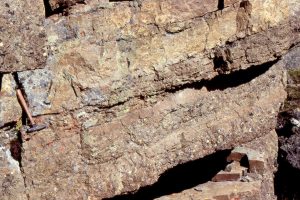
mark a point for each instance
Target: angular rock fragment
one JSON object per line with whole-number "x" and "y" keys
{"x": 233, "y": 172}
{"x": 255, "y": 158}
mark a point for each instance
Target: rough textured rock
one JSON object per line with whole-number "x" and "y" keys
{"x": 23, "y": 37}
{"x": 126, "y": 52}
{"x": 288, "y": 129}
{"x": 10, "y": 110}
{"x": 131, "y": 89}
{"x": 220, "y": 191}
{"x": 258, "y": 187}
{"x": 11, "y": 180}
{"x": 133, "y": 146}
{"x": 289, "y": 125}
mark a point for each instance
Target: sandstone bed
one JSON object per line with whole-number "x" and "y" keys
{"x": 132, "y": 89}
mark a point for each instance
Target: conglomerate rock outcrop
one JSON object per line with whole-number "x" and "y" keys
{"x": 130, "y": 89}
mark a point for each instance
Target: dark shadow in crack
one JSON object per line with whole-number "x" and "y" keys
{"x": 62, "y": 9}
{"x": 1, "y": 77}
{"x": 224, "y": 81}
{"x": 221, "y": 5}
{"x": 286, "y": 181}
{"x": 48, "y": 10}
{"x": 181, "y": 177}
{"x": 16, "y": 148}
{"x": 237, "y": 78}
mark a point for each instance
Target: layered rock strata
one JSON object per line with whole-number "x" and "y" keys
{"x": 132, "y": 89}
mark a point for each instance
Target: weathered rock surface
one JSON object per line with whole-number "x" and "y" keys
{"x": 127, "y": 52}
{"x": 23, "y": 37}
{"x": 288, "y": 128}
{"x": 11, "y": 179}
{"x": 10, "y": 110}
{"x": 230, "y": 190}
{"x": 289, "y": 119}
{"x": 251, "y": 186}
{"x": 132, "y": 89}
{"x": 131, "y": 150}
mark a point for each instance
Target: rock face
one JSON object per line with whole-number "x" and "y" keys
{"x": 290, "y": 116}
{"x": 10, "y": 109}
{"x": 23, "y": 37}
{"x": 253, "y": 185}
{"x": 288, "y": 128}
{"x": 131, "y": 89}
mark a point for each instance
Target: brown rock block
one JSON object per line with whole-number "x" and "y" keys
{"x": 70, "y": 89}
{"x": 227, "y": 176}
{"x": 233, "y": 172}
{"x": 23, "y": 37}
{"x": 267, "y": 145}
{"x": 255, "y": 158}
{"x": 51, "y": 166}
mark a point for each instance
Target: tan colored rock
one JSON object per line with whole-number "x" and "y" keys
{"x": 54, "y": 167}
{"x": 127, "y": 53}
{"x": 23, "y": 37}
{"x": 220, "y": 191}
{"x": 106, "y": 87}
{"x": 129, "y": 151}
{"x": 132, "y": 89}
{"x": 10, "y": 110}
{"x": 11, "y": 179}
{"x": 252, "y": 187}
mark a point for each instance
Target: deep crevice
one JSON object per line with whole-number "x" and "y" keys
{"x": 1, "y": 76}
{"x": 221, "y": 5}
{"x": 16, "y": 148}
{"x": 17, "y": 80}
{"x": 181, "y": 177}
{"x": 62, "y": 9}
{"x": 286, "y": 181}
{"x": 225, "y": 81}
{"x": 48, "y": 10}
{"x": 245, "y": 162}
{"x": 8, "y": 125}
{"x": 284, "y": 126}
